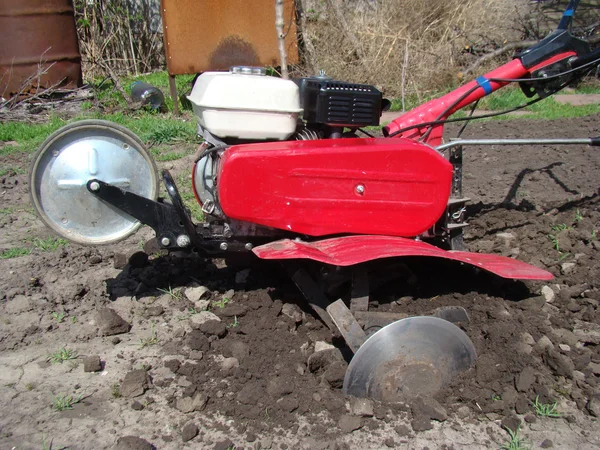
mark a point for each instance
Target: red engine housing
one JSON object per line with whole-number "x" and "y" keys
{"x": 395, "y": 187}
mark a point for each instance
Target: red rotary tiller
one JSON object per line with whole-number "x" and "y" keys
{"x": 282, "y": 174}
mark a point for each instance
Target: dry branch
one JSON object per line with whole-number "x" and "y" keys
{"x": 279, "y": 24}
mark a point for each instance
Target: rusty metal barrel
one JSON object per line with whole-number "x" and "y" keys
{"x": 39, "y": 47}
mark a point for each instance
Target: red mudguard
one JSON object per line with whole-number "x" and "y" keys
{"x": 393, "y": 187}
{"x": 349, "y": 250}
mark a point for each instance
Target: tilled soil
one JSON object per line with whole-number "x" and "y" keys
{"x": 183, "y": 352}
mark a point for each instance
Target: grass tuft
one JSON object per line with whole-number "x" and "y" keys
{"x": 515, "y": 442}
{"x": 62, "y": 355}
{"x": 14, "y": 252}
{"x": 545, "y": 409}
{"x": 62, "y": 402}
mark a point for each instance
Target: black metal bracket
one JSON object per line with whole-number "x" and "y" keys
{"x": 170, "y": 222}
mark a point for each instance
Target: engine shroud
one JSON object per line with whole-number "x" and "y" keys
{"x": 395, "y": 187}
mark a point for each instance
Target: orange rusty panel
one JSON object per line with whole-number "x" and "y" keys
{"x": 203, "y": 35}
{"x": 38, "y": 34}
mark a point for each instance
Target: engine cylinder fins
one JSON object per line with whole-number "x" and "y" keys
{"x": 413, "y": 356}
{"x": 77, "y": 153}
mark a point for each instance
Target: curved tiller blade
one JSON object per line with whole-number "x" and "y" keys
{"x": 416, "y": 355}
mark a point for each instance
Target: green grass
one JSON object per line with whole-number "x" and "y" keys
{"x": 62, "y": 355}
{"x": 14, "y": 252}
{"x": 515, "y": 441}
{"x": 545, "y": 409}
{"x": 62, "y": 402}
{"x": 11, "y": 171}
{"x": 49, "y": 244}
{"x": 152, "y": 340}
{"x": 221, "y": 303}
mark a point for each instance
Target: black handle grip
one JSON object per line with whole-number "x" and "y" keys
{"x": 595, "y": 141}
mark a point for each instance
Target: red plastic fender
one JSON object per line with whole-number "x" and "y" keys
{"x": 350, "y": 250}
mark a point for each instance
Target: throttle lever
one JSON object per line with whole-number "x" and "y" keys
{"x": 595, "y": 141}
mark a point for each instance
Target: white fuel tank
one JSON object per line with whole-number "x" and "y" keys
{"x": 246, "y": 104}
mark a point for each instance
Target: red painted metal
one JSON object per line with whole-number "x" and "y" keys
{"x": 350, "y": 250}
{"x": 434, "y": 109}
{"x": 313, "y": 187}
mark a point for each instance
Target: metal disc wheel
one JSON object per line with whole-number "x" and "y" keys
{"x": 72, "y": 156}
{"x": 413, "y": 356}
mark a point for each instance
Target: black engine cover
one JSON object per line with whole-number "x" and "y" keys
{"x": 337, "y": 103}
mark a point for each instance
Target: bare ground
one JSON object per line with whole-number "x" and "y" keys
{"x": 250, "y": 380}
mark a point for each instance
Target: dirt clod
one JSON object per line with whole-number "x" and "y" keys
{"x": 92, "y": 363}
{"x": 189, "y": 431}
{"x": 133, "y": 443}
{"x": 111, "y": 323}
{"x": 512, "y": 423}
{"x": 349, "y": 423}
{"x": 134, "y": 384}
{"x": 547, "y": 443}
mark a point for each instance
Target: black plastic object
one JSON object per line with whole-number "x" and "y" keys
{"x": 337, "y": 103}
{"x": 595, "y": 141}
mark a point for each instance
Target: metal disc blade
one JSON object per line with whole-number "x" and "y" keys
{"x": 77, "y": 153}
{"x": 412, "y": 356}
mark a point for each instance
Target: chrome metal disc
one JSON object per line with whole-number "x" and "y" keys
{"x": 417, "y": 355}
{"x": 77, "y": 153}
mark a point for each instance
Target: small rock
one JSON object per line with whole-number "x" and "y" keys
{"x": 134, "y": 384}
{"x": 548, "y": 294}
{"x": 361, "y": 407}
{"x": 189, "y": 431}
{"x": 250, "y": 437}
{"x": 543, "y": 343}
{"x": 567, "y": 268}
{"x": 587, "y": 332}
{"x": 292, "y": 311}
{"x": 579, "y": 376}
{"x": 564, "y": 347}
{"x": 229, "y": 364}
{"x": 266, "y": 443}
{"x": 335, "y": 373}
{"x": 300, "y": 369}
{"x": 530, "y": 418}
{"x": 214, "y": 328}
{"x": 322, "y": 346}
{"x": 92, "y": 363}
{"x": 133, "y": 443}
{"x": 238, "y": 349}
{"x": 532, "y": 303}
{"x": 323, "y": 359}
{"x": 201, "y": 305}
{"x": 512, "y": 423}
{"x": 196, "y": 354}
{"x": 560, "y": 364}
{"x": 349, "y": 423}
{"x": 547, "y": 443}
{"x": 463, "y": 412}
{"x": 233, "y": 311}
{"x": 196, "y": 320}
{"x": 227, "y": 444}
{"x": 119, "y": 261}
{"x": 194, "y": 292}
{"x": 279, "y": 386}
{"x": 154, "y": 311}
{"x": 288, "y": 403}
{"x": 506, "y": 238}
{"x": 242, "y": 276}
{"x": 190, "y": 404}
{"x": 110, "y": 323}
{"x": 525, "y": 379}
{"x": 402, "y": 430}
{"x": 389, "y": 442}
{"x": 196, "y": 340}
{"x": 428, "y": 407}
{"x": 593, "y": 405}
{"x": 594, "y": 367}
{"x": 250, "y": 394}
{"x": 95, "y": 259}
{"x": 116, "y": 340}
{"x": 421, "y": 423}
{"x": 136, "y": 406}
{"x": 522, "y": 405}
